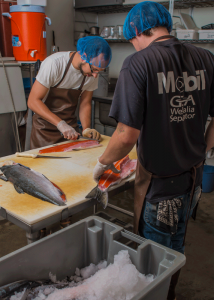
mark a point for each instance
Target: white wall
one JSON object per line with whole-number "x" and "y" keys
{"x": 61, "y": 13}
{"x": 120, "y": 51}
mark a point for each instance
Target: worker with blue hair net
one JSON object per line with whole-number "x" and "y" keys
{"x": 162, "y": 99}
{"x": 64, "y": 79}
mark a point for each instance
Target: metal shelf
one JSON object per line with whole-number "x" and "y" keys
{"x": 116, "y": 41}
{"x": 178, "y": 4}
{"x": 198, "y": 41}
{"x": 186, "y": 41}
{"x": 108, "y": 9}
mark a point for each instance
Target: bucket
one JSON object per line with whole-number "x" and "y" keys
{"x": 208, "y": 179}
{"x": 28, "y": 32}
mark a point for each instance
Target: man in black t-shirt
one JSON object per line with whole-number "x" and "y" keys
{"x": 163, "y": 96}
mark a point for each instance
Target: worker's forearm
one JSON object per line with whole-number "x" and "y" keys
{"x": 118, "y": 147}
{"x": 85, "y": 115}
{"x": 209, "y": 136}
{"x": 43, "y": 111}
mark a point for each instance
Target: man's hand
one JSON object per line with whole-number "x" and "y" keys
{"x": 121, "y": 143}
{"x": 91, "y": 133}
{"x": 100, "y": 169}
{"x": 68, "y": 131}
{"x": 209, "y": 135}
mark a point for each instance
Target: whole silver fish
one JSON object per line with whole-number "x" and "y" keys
{"x": 26, "y": 180}
{"x": 31, "y": 288}
{"x": 9, "y": 289}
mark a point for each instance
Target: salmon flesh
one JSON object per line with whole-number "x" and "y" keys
{"x": 71, "y": 146}
{"x": 127, "y": 167}
{"x": 26, "y": 180}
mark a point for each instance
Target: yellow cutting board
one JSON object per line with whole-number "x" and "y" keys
{"x": 73, "y": 175}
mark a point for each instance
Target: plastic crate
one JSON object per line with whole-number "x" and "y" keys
{"x": 187, "y": 34}
{"x": 125, "y": 225}
{"x": 27, "y": 84}
{"x": 206, "y": 34}
{"x": 90, "y": 241}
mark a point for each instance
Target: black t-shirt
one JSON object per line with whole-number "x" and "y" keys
{"x": 167, "y": 91}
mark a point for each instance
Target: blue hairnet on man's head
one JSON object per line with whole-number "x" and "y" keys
{"x": 95, "y": 51}
{"x": 146, "y": 15}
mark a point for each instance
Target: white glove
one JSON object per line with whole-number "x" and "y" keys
{"x": 91, "y": 133}
{"x": 100, "y": 169}
{"x": 210, "y": 153}
{"x": 68, "y": 131}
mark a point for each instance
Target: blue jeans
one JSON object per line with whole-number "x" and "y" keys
{"x": 149, "y": 229}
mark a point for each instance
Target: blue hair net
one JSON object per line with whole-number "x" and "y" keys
{"x": 146, "y": 15}
{"x": 95, "y": 51}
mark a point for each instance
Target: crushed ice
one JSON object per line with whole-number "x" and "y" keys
{"x": 120, "y": 280}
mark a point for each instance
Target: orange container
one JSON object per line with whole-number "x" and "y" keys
{"x": 28, "y": 32}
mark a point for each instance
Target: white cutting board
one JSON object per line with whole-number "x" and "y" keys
{"x": 73, "y": 175}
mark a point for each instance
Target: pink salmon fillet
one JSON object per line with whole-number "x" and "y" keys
{"x": 127, "y": 167}
{"x": 70, "y": 146}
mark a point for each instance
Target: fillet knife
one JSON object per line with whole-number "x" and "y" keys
{"x": 38, "y": 155}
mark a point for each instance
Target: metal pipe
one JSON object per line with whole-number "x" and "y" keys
{"x": 84, "y": 22}
{"x": 92, "y": 114}
{"x": 30, "y": 114}
{"x": 95, "y": 208}
{"x": 124, "y": 211}
{"x": 32, "y": 237}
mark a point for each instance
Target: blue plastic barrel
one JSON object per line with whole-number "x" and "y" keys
{"x": 26, "y": 82}
{"x": 208, "y": 179}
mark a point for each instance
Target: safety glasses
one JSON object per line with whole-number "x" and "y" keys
{"x": 95, "y": 72}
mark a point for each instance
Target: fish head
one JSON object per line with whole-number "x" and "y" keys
{"x": 4, "y": 166}
{"x": 3, "y": 169}
{"x": 7, "y": 163}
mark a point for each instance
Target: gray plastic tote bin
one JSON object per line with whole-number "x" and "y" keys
{"x": 90, "y": 241}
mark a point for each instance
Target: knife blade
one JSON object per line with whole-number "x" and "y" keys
{"x": 18, "y": 154}
{"x": 90, "y": 147}
{"x": 82, "y": 137}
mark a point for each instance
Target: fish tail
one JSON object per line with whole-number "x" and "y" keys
{"x": 62, "y": 195}
{"x": 93, "y": 193}
{"x": 103, "y": 198}
{"x": 99, "y": 196}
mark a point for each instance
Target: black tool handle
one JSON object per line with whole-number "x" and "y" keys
{"x": 37, "y": 66}
{"x": 54, "y": 38}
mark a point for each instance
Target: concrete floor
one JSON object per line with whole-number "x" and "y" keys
{"x": 197, "y": 276}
